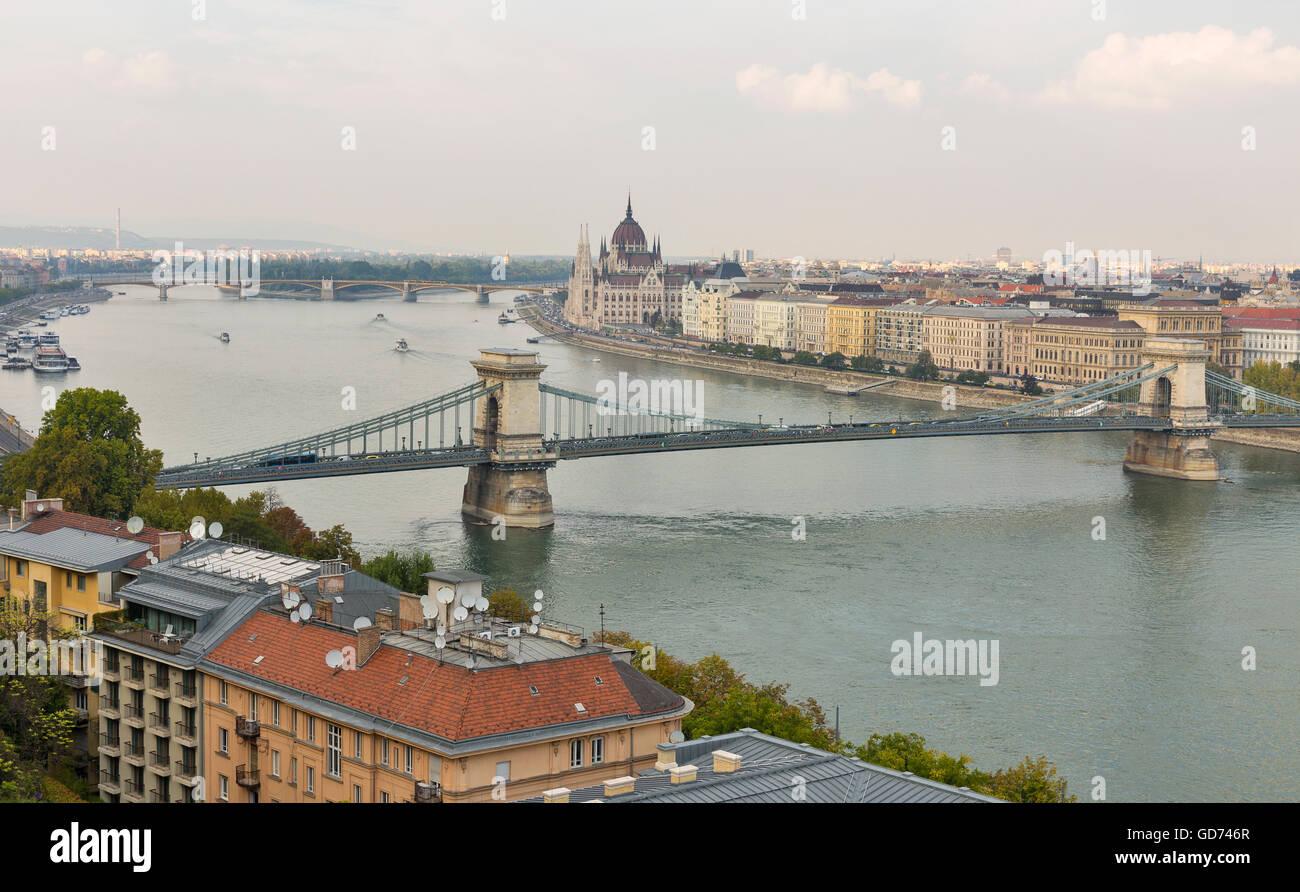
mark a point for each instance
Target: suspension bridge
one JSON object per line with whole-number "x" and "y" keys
{"x": 508, "y": 428}
{"x": 324, "y": 289}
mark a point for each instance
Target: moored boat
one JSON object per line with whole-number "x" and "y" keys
{"x": 73, "y": 365}
{"x": 225, "y": 337}
{"x": 402, "y": 346}
{"x": 16, "y": 362}
{"x": 50, "y": 359}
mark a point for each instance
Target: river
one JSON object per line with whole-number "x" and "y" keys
{"x": 1120, "y": 658}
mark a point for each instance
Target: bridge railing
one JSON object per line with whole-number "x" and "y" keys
{"x": 1228, "y": 396}
{"x": 1064, "y": 403}
{"x": 581, "y": 413}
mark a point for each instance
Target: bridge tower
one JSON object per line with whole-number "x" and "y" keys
{"x": 326, "y": 289}
{"x": 480, "y": 296}
{"x": 508, "y": 424}
{"x": 162, "y": 291}
{"x": 408, "y": 296}
{"x": 1183, "y": 450}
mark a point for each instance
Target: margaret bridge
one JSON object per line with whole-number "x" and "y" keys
{"x": 324, "y": 289}
{"x": 520, "y": 427}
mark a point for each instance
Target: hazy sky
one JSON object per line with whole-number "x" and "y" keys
{"x": 810, "y": 128}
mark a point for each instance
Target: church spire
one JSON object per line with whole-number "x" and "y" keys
{"x": 629, "y": 204}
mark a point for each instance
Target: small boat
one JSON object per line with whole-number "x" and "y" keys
{"x": 16, "y": 363}
{"x": 26, "y": 340}
{"x": 50, "y": 314}
{"x": 402, "y": 345}
{"x": 379, "y": 316}
{"x": 47, "y": 338}
{"x": 65, "y": 311}
{"x": 41, "y": 323}
{"x": 507, "y": 317}
{"x": 225, "y": 337}
{"x": 73, "y": 365}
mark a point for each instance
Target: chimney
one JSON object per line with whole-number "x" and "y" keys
{"x": 331, "y": 577}
{"x": 325, "y": 610}
{"x": 666, "y": 757}
{"x": 559, "y": 794}
{"x": 725, "y": 762}
{"x": 13, "y": 513}
{"x": 367, "y": 643}
{"x": 168, "y": 545}
{"x": 384, "y": 619}
{"x": 683, "y": 774}
{"x": 616, "y": 786}
{"x": 33, "y": 505}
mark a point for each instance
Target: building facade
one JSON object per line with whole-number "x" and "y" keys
{"x": 1073, "y": 350}
{"x": 968, "y": 338}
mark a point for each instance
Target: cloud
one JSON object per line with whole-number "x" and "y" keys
{"x": 981, "y": 86}
{"x": 151, "y": 72}
{"x": 823, "y": 89}
{"x": 1162, "y": 70}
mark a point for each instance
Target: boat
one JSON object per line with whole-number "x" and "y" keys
{"x": 50, "y": 314}
{"x": 507, "y": 317}
{"x": 225, "y": 337}
{"x": 47, "y": 338}
{"x": 41, "y": 323}
{"x": 65, "y": 311}
{"x": 26, "y": 340}
{"x": 16, "y": 362}
{"x": 50, "y": 359}
{"x": 379, "y": 316}
{"x": 83, "y": 308}
{"x": 402, "y": 345}
{"x": 73, "y": 365}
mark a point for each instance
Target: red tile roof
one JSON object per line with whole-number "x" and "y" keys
{"x": 49, "y": 521}
{"x": 1276, "y": 324}
{"x": 439, "y": 698}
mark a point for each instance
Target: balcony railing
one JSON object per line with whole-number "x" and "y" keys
{"x": 186, "y": 771}
{"x": 160, "y": 763}
{"x": 160, "y": 724}
{"x": 247, "y": 777}
{"x": 188, "y": 691}
{"x": 133, "y": 713}
{"x": 134, "y": 750}
{"x": 131, "y": 673}
{"x": 136, "y": 634}
{"x": 133, "y": 788}
{"x": 158, "y": 796}
{"x": 246, "y": 727}
{"x": 187, "y": 731}
{"x": 109, "y": 742}
{"x": 160, "y": 686}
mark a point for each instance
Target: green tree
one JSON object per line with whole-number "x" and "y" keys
{"x": 924, "y": 368}
{"x": 833, "y": 360}
{"x": 402, "y": 571}
{"x": 803, "y": 357}
{"x": 866, "y": 363}
{"x": 1033, "y": 780}
{"x": 1029, "y": 385}
{"x": 331, "y": 544}
{"x": 507, "y": 604}
{"x": 89, "y": 453}
{"x": 978, "y": 379}
{"x": 35, "y": 720}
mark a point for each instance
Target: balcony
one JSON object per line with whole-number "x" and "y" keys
{"x": 158, "y": 796}
{"x": 186, "y": 772}
{"x": 187, "y": 734}
{"x": 160, "y": 763}
{"x": 160, "y": 686}
{"x": 134, "y": 633}
{"x": 133, "y": 678}
{"x": 110, "y": 745}
{"x": 247, "y": 777}
{"x": 111, "y": 671}
{"x": 133, "y": 791}
{"x": 247, "y": 728}
{"x": 133, "y": 752}
{"x": 110, "y": 783}
{"x": 133, "y": 715}
{"x": 188, "y": 694}
{"x": 110, "y": 707}
{"x": 160, "y": 725}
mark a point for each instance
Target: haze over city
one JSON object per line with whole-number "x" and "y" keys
{"x": 791, "y": 129}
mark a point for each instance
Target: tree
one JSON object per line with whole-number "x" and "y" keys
{"x": 1033, "y": 780}
{"x": 833, "y": 360}
{"x": 286, "y": 524}
{"x": 402, "y": 571}
{"x": 924, "y": 368}
{"x": 1274, "y": 377}
{"x": 334, "y": 543}
{"x": 35, "y": 721}
{"x": 866, "y": 363}
{"x": 1029, "y": 384}
{"x": 89, "y": 453}
{"x": 507, "y": 604}
{"x": 977, "y": 379}
{"x": 803, "y": 357}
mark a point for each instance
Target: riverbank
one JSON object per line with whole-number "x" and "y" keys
{"x": 967, "y": 397}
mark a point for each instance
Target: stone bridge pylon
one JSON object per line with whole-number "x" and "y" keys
{"x": 508, "y": 424}
{"x": 1182, "y": 451}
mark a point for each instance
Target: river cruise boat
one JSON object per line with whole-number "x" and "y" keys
{"x": 402, "y": 346}
{"x": 508, "y": 316}
{"x": 47, "y": 338}
{"x": 225, "y": 337}
{"x": 26, "y": 340}
{"x": 50, "y": 360}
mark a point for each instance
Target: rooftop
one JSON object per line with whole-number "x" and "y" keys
{"x": 73, "y": 549}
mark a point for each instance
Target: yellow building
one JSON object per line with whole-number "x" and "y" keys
{"x": 1074, "y": 349}
{"x": 851, "y": 324}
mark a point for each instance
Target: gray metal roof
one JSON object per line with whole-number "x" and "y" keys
{"x": 776, "y": 770}
{"x": 72, "y": 548}
{"x": 362, "y": 595}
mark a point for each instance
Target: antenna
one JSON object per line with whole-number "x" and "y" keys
{"x": 602, "y": 623}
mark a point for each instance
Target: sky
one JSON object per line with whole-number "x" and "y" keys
{"x": 921, "y": 129}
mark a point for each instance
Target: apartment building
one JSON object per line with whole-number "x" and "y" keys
{"x": 851, "y": 323}
{"x": 704, "y": 307}
{"x": 968, "y": 338}
{"x": 776, "y": 321}
{"x": 487, "y": 710}
{"x": 740, "y": 317}
{"x": 1266, "y": 338}
{"x": 810, "y": 322}
{"x": 1073, "y": 350}
{"x": 899, "y": 332}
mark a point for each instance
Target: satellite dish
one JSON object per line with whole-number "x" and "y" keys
{"x": 197, "y": 527}
{"x": 446, "y": 595}
{"x": 429, "y": 608}
{"x": 440, "y": 642}
{"x": 481, "y": 604}
{"x": 534, "y": 619}
{"x": 468, "y": 599}
{"x": 442, "y": 630}
{"x": 215, "y": 529}
{"x": 360, "y": 623}
{"x": 152, "y": 559}
{"x": 305, "y": 612}
{"x": 290, "y": 599}
{"x": 460, "y": 613}
{"x": 334, "y": 659}
{"x": 537, "y": 594}
{"x": 537, "y": 607}
{"x": 676, "y": 737}
{"x": 533, "y": 628}
{"x": 134, "y": 525}
{"x": 293, "y": 617}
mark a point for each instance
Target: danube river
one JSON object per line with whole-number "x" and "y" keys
{"x": 1120, "y": 658}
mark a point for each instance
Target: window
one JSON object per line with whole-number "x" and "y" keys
{"x": 81, "y": 582}
{"x": 293, "y": 771}
{"x": 79, "y": 700}
{"x": 356, "y": 736}
{"x": 383, "y": 750}
{"x": 225, "y": 788}
{"x": 311, "y": 729}
{"x": 20, "y": 568}
{"x": 79, "y": 623}
{"x": 311, "y": 779}
{"x": 575, "y": 754}
{"x": 223, "y": 741}
{"x": 356, "y": 792}
{"x": 333, "y": 750}
{"x": 252, "y": 706}
{"x": 503, "y": 770}
{"x": 224, "y": 693}
{"x": 597, "y": 750}
{"x": 275, "y": 713}
{"x": 293, "y": 722}
{"x": 410, "y": 760}
{"x": 384, "y": 797}
{"x": 275, "y": 763}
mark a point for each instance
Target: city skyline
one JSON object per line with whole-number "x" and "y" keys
{"x": 1138, "y": 128}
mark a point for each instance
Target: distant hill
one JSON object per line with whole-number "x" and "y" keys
{"x": 83, "y": 237}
